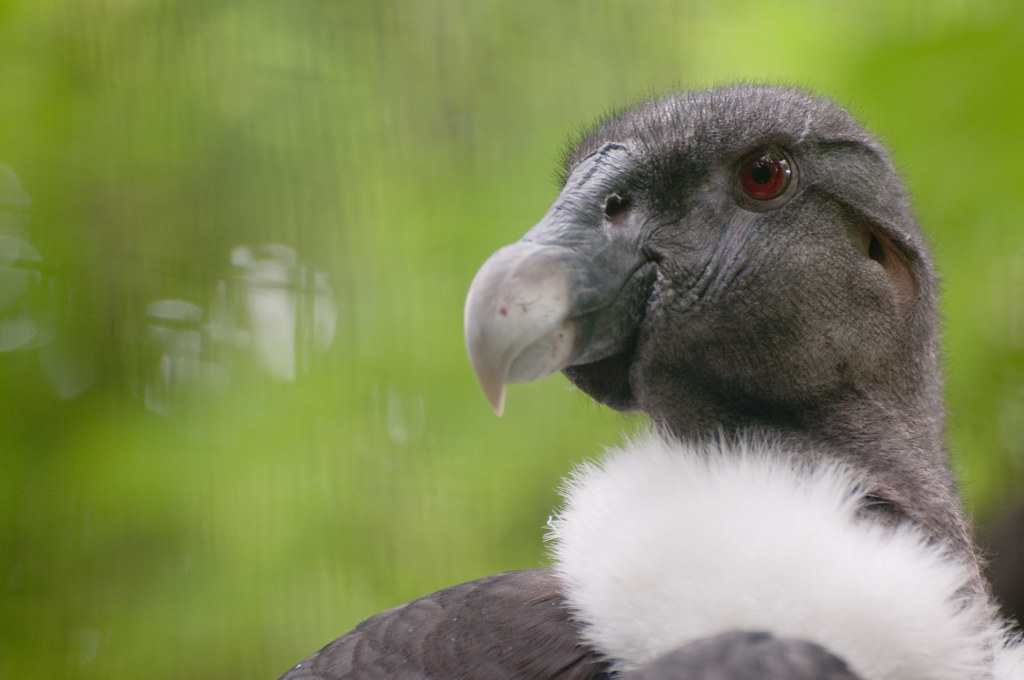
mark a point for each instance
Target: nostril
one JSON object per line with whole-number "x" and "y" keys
{"x": 615, "y": 205}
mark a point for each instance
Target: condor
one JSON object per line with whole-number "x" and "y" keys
{"x": 742, "y": 265}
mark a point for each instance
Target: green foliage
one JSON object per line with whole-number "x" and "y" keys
{"x": 188, "y": 489}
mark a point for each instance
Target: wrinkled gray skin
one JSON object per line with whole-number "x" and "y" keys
{"x": 653, "y": 283}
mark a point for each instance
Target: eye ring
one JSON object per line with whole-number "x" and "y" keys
{"x": 765, "y": 179}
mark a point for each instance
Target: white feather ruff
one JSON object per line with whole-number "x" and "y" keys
{"x": 1010, "y": 660}
{"x": 663, "y": 543}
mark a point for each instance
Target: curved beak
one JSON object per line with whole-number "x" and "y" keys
{"x": 567, "y": 292}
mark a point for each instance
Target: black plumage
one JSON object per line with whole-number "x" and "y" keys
{"x": 735, "y": 260}
{"x": 744, "y": 656}
{"x": 1004, "y": 546}
{"x": 506, "y": 626}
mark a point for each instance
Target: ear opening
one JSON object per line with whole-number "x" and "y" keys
{"x": 875, "y": 250}
{"x": 895, "y": 262}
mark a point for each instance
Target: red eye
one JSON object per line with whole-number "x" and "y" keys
{"x": 765, "y": 175}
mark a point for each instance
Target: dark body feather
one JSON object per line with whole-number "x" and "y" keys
{"x": 743, "y": 656}
{"x": 511, "y": 626}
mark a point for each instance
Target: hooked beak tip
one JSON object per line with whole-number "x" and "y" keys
{"x": 497, "y": 400}
{"x": 490, "y": 376}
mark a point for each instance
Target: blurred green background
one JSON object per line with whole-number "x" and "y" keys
{"x": 235, "y": 237}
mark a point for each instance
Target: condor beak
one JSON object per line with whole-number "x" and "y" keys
{"x": 567, "y": 292}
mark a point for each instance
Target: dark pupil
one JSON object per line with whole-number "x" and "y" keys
{"x": 761, "y": 172}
